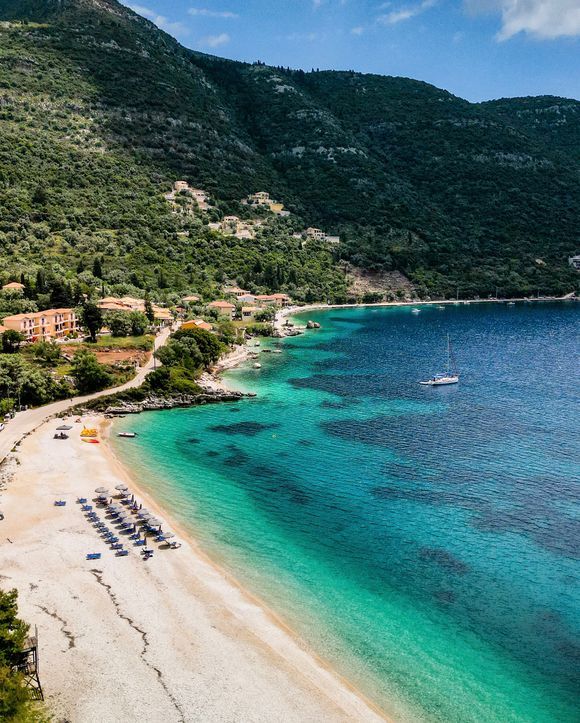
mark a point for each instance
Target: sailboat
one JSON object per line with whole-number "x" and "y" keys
{"x": 450, "y": 376}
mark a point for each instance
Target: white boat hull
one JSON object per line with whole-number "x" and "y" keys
{"x": 440, "y": 382}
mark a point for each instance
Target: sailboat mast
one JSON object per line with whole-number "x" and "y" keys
{"x": 448, "y": 355}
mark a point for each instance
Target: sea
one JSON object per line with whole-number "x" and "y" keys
{"x": 424, "y": 541}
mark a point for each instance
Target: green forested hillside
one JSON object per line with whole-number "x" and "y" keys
{"x": 100, "y": 112}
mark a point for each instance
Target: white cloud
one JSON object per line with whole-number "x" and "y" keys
{"x": 405, "y": 13}
{"x": 542, "y": 19}
{"x": 206, "y": 13}
{"x": 358, "y": 30}
{"x": 160, "y": 20}
{"x": 215, "y": 41}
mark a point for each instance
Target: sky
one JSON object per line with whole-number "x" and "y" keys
{"x": 476, "y": 49}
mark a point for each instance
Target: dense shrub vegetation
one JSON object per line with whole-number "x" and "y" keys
{"x": 100, "y": 112}
{"x": 15, "y": 705}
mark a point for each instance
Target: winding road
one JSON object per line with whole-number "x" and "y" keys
{"x": 26, "y": 422}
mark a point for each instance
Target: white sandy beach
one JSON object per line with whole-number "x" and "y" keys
{"x": 120, "y": 639}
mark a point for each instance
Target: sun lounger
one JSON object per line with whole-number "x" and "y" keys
{"x": 174, "y": 545}
{"x": 59, "y": 503}
{"x": 87, "y": 508}
{"x": 160, "y": 539}
{"x": 140, "y": 543}
{"x": 94, "y": 556}
{"x": 117, "y": 546}
{"x": 122, "y": 553}
{"x": 82, "y": 501}
{"x": 113, "y": 539}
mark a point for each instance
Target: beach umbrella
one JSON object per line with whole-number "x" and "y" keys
{"x": 168, "y": 534}
{"x": 143, "y": 514}
{"x": 154, "y": 522}
{"x": 121, "y": 488}
{"x": 102, "y": 490}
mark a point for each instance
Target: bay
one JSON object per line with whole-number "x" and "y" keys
{"x": 425, "y": 541}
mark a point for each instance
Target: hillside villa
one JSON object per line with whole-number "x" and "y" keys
{"x": 235, "y": 291}
{"x": 262, "y": 198}
{"x": 280, "y": 300}
{"x": 248, "y": 312}
{"x": 196, "y": 194}
{"x": 317, "y": 234}
{"x": 223, "y": 308}
{"x": 191, "y": 299}
{"x": 247, "y": 298}
{"x": 163, "y": 317}
{"x": 233, "y": 226}
{"x": 44, "y": 325}
{"x": 13, "y": 287}
{"x": 197, "y": 324}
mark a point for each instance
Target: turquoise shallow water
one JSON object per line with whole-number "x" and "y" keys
{"x": 424, "y": 541}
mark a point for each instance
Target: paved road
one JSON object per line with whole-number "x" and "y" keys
{"x": 25, "y": 422}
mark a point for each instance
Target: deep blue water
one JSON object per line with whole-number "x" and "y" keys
{"x": 424, "y": 540}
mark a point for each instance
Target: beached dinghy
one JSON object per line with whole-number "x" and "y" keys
{"x": 127, "y": 434}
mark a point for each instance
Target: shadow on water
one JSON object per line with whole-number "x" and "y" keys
{"x": 247, "y": 429}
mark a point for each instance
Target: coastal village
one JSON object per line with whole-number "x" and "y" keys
{"x": 240, "y": 306}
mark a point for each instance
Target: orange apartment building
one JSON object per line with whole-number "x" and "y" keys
{"x": 44, "y": 325}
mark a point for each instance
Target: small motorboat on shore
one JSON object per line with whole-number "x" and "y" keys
{"x": 257, "y": 366}
{"x": 128, "y": 435}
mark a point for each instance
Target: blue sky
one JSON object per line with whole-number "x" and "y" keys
{"x": 477, "y": 49}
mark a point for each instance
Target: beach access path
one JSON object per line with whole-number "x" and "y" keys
{"x": 25, "y": 422}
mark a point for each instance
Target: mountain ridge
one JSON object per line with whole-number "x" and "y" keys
{"x": 415, "y": 179}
